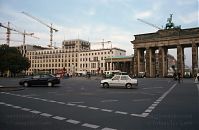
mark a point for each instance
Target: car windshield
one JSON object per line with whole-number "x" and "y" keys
{"x": 46, "y": 76}
{"x": 36, "y": 77}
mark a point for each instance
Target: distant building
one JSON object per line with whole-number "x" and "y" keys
{"x": 94, "y": 60}
{"x": 75, "y": 55}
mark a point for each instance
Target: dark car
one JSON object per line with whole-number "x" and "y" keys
{"x": 44, "y": 79}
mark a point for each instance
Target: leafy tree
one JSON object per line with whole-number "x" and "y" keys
{"x": 11, "y": 59}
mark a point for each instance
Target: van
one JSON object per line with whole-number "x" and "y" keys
{"x": 111, "y": 73}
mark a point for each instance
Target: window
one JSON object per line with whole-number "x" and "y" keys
{"x": 116, "y": 78}
{"x": 124, "y": 78}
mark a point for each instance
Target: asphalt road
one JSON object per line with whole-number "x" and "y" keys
{"x": 81, "y": 104}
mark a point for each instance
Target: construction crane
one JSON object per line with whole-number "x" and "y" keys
{"x": 103, "y": 42}
{"x": 12, "y": 29}
{"x": 150, "y": 24}
{"x": 49, "y": 26}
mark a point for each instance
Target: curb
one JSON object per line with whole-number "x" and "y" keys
{"x": 5, "y": 89}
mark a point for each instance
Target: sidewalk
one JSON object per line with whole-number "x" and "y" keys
{"x": 10, "y": 84}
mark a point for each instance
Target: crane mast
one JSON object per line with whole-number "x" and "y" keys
{"x": 49, "y": 26}
{"x": 9, "y": 29}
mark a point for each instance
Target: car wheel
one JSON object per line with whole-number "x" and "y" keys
{"x": 128, "y": 85}
{"x": 25, "y": 84}
{"x": 50, "y": 84}
{"x": 105, "y": 85}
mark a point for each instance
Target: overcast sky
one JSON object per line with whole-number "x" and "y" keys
{"x": 94, "y": 20}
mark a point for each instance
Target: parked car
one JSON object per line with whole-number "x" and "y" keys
{"x": 42, "y": 79}
{"x": 119, "y": 80}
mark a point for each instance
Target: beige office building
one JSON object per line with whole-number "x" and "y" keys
{"x": 74, "y": 56}
{"x": 94, "y": 60}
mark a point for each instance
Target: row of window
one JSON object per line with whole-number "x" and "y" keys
{"x": 96, "y": 53}
{"x": 92, "y": 65}
{"x": 54, "y": 65}
{"x": 54, "y": 60}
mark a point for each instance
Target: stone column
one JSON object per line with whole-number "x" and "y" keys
{"x": 148, "y": 62}
{"x": 153, "y": 63}
{"x": 180, "y": 59}
{"x": 141, "y": 64}
{"x": 194, "y": 57}
{"x": 162, "y": 58}
{"x": 135, "y": 62}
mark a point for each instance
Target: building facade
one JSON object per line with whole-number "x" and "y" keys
{"x": 75, "y": 55}
{"x": 94, "y": 60}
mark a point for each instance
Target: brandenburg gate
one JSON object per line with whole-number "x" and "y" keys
{"x": 146, "y": 45}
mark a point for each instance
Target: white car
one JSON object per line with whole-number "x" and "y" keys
{"x": 119, "y": 80}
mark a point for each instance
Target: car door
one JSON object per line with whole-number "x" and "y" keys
{"x": 44, "y": 79}
{"x": 115, "y": 81}
{"x": 35, "y": 80}
{"x": 123, "y": 80}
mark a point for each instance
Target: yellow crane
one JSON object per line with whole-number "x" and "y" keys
{"x": 49, "y": 26}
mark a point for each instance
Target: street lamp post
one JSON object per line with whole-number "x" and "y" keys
{"x": 111, "y": 55}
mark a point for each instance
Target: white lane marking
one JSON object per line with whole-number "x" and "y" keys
{"x": 2, "y": 103}
{"x": 81, "y": 106}
{"x": 90, "y": 125}
{"x": 45, "y": 100}
{"x": 35, "y": 112}
{"x": 72, "y": 121}
{"x": 61, "y": 102}
{"x": 93, "y": 108}
{"x": 120, "y": 112}
{"x": 70, "y": 104}
{"x": 109, "y": 100}
{"x": 151, "y": 107}
{"x": 46, "y": 114}
{"x": 106, "y": 110}
{"x": 9, "y": 105}
{"x": 108, "y": 129}
{"x": 17, "y": 107}
{"x": 155, "y": 104}
{"x": 25, "y": 109}
{"x": 52, "y": 101}
{"x": 148, "y": 110}
{"x": 76, "y": 102}
{"x": 153, "y": 88}
{"x": 59, "y": 118}
{"x": 138, "y": 115}
{"x": 145, "y": 114}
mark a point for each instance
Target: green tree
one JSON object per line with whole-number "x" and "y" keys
{"x": 12, "y": 60}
